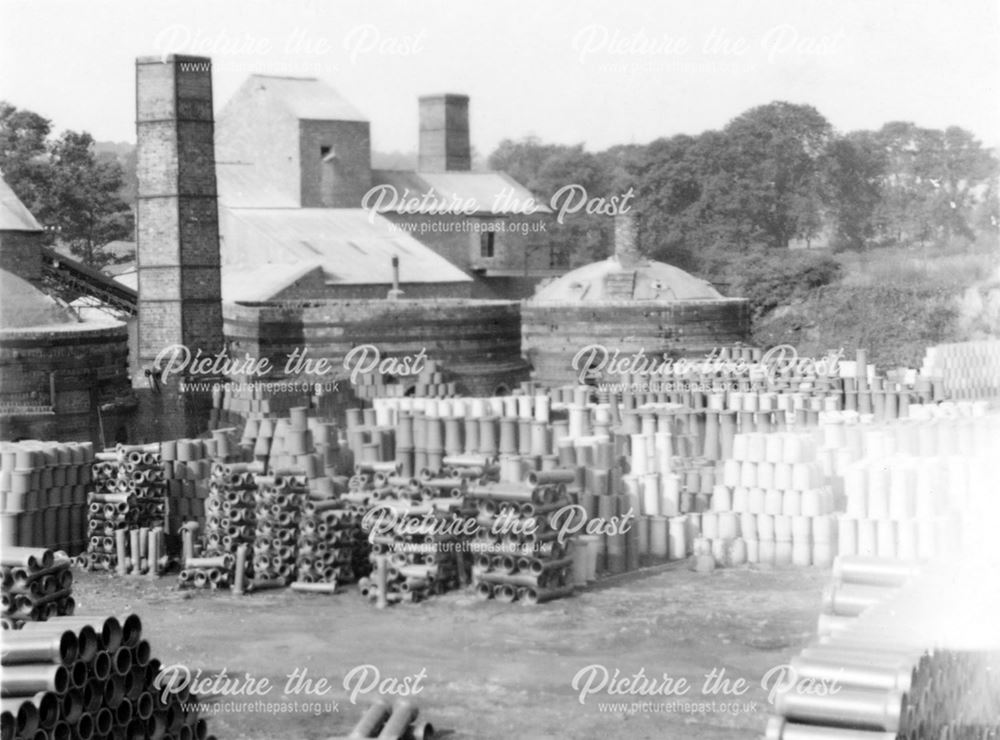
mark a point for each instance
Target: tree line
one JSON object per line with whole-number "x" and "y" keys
{"x": 776, "y": 176}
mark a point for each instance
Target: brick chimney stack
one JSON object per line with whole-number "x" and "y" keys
{"x": 627, "y": 239}
{"x": 444, "y": 134}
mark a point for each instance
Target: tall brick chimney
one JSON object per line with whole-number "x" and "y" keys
{"x": 627, "y": 239}
{"x": 177, "y": 227}
{"x": 444, "y": 133}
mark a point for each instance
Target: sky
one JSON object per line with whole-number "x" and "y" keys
{"x": 592, "y": 72}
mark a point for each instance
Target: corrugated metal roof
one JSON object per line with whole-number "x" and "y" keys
{"x": 306, "y": 98}
{"x": 492, "y": 193}
{"x": 13, "y": 214}
{"x": 351, "y": 248}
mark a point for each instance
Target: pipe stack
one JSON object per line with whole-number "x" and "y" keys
{"x": 280, "y": 499}
{"x": 519, "y": 556}
{"x": 231, "y": 523}
{"x": 187, "y": 468}
{"x": 416, "y": 530}
{"x": 37, "y": 584}
{"x": 330, "y": 536}
{"x": 130, "y": 495}
{"x": 43, "y": 492}
{"x": 89, "y": 677}
{"x": 391, "y": 722}
{"x": 964, "y": 370}
{"x": 428, "y": 383}
{"x": 904, "y": 651}
{"x": 772, "y": 506}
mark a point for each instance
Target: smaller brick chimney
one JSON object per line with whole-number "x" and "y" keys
{"x": 444, "y": 134}
{"x": 627, "y": 239}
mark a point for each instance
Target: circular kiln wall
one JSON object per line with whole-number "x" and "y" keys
{"x": 476, "y": 343}
{"x": 553, "y": 333}
{"x": 85, "y": 368}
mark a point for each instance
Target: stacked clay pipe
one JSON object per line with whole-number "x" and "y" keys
{"x": 129, "y": 500}
{"x": 519, "y": 555}
{"x": 965, "y": 370}
{"x": 187, "y": 468}
{"x": 904, "y": 651}
{"x": 230, "y": 528}
{"x": 428, "y": 383}
{"x": 772, "y": 505}
{"x": 329, "y": 539}
{"x": 911, "y": 489}
{"x": 89, "y": 677}
{"x": 37, "y": 584}
{"x": 43, "y": 494}
{"x": 415, "y": 530}
{"x": 280, "y": 498}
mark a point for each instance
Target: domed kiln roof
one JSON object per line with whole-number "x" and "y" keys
{"x": 609, "y": 280}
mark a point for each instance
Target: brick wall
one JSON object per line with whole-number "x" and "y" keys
{"x": 343, "y": 181}
{"x": 478, "y": 341}
{"x": 86, "y": 368}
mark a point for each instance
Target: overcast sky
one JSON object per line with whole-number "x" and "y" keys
{"x": 596, "y": 72}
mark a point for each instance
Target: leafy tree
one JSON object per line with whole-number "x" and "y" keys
{"x": 23, "y": 149}
{"x": 766, "y": 186}
{"x": 854, "y": 172}
{"x": 71, "y": 192}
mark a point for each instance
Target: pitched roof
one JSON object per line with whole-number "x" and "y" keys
{"x": 22, "y": 305}
{"x": 352, "y": 246}
{"x": 306, "y": 98}
{"x": 13, "y": 214}
{"x": 266, "y": 282}
{"x": 490, "y": 193}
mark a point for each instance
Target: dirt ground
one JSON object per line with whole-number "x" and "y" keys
{"x": 487, "y": 670}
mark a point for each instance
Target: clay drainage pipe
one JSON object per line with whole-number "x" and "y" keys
{"x": 21, "y": 647}
{"x": 372, "y": 721}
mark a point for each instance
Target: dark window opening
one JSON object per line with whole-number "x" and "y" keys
{"x": 486, "y": 244}
{"x": 323, "y": 151}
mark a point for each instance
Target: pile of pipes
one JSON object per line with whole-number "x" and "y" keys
{"x": 43, "y": 493}
{"x": 902, "y": 652}
{"x": 329, "y": 537}
{"x": 519, "y": 556}
{"x": 37, "y": 584}
{"x": 772, "y": 506}
{"x": 129, "y": 494}
{"x": 187, "y": 467}
{"x": 965, "y": 370}
{"x": 140, "y": 551}
{"x": 392, "y": 722}
{"x": 299, "y": 441}
{"x": 909, "y": 488}
{"x": 280, "y": 498}
{"x": 230, "y": 524}
{"x": 417, "y": 529}
{"x": 428, "y": 383}
{"x": 89, "y": 677}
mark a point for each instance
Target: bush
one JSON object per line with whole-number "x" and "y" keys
{"x": 775, "y": 278}
{"x": 894, "y": 324}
